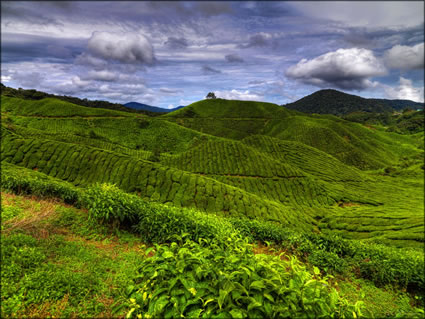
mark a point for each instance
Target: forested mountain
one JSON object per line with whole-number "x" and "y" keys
{"x": 141, "y": 106}
{"x": 339, "y": 103}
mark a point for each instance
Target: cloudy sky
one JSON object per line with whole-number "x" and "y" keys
{"x": 173, "y": 53}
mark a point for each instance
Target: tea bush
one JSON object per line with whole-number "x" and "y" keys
{"x": 378, "y": 263}
{"x": 211, "y": 279}
{"x": 108, "y": 204}
{"x": 24, "y": 181}
{"x": 154, "y": 222}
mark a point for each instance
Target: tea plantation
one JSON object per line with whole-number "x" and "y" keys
{"x": 220, "y": 209}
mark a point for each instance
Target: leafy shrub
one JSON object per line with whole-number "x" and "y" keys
{"x": 327, "y": 260}
{"x": 378, "y": 263}
{"x": 164, "y": 222}
{"x": 24, "y": 181}
{"x": 154, "y": 222}
{"x": 108, "y": 204}
{"x": 261, "y": 230}
{"x": 212, "y": 279}
{"x": 386, "y": 265}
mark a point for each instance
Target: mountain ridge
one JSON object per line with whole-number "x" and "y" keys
{"x": 150, "y": 108}
{"x": 329, "y": 101}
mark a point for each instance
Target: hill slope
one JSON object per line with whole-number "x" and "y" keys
{"x": 221, "y": 108}
{"x": 35, "y": 95}
{"x": 52, "y": 107}
{"x": 234, "y": 158}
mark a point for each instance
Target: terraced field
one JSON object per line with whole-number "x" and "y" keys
{"x": 232, "y": 158}
{"x": 83, "y": 166}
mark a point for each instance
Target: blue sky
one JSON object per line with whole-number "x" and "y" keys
{"x": 173, "y": 53}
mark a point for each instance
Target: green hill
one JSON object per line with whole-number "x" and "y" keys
{"x": 308, "y": 159}
{"x": 234, "y": 158}
{"x": 351, "y": 143}
{"x": 51, "y": 107}
{"x": 34, "y": 95}
{"x": 229, "y": 197}
{"x": 82, "y": 166}
{"x": 221, "y": 108}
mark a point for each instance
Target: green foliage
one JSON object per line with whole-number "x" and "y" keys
{"x": 378, "y": 263}
{"x": 108, "y": 204}
{"x": 84, "y": 166}
{"x": 23, "y": 181}
{"x": 29, "y": 278}
{"x": 306, "y": 158}
{"x": 409, "y": 122}
{"x": 156, "y": 155}
{"x": 214, "y": 280}
{"x": 291, "y": 174}
{"x": 154, "y": 222}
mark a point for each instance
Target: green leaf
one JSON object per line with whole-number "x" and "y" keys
{"x": 269, "y": 297}
{"x": 236, "y": 313}
{"x": 208, "y": 301}
{"x": 129, "y": 290}
{"x": 160, "y": 304}
{"x": 167, "y": 254}
{"x": 195, "y": 313}
{"x": 258, "y": 284}
{"x": 254, "y": 304}
{"x": 222, "y": 295}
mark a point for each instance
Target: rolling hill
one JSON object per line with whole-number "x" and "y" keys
{"x": 235, "y": 158}
{"x": 251, "y": 186}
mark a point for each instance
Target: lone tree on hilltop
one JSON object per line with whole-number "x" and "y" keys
{"x": 211, "y": 95}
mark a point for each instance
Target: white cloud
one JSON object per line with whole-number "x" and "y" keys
{"x": 103, "y": 75}
{"x": 122, "y": 47}
{"x": 406, "y": 91}
{"x": 76, "y": 80}
{"x": 239, "y": 95}
{"x": 6, "y": 78}
{"x": 344, "y": 68}
{"x": 372, "y": 14}
{"x": 405, "y": 58}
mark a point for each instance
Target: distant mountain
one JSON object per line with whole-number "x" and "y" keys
{"x": 145, "y": 107}
{"x": 339, "y": 103}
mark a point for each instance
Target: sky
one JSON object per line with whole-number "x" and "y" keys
{"x": 168, "y": 54}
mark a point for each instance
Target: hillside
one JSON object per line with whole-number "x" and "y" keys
{"x": 52, "y": 107}
{"x": 35, "y": 95}
{"x": 221, "y": 108}
{"x": 339, "y": 103}
{"x": 353, "y": 144}
{"x": 220, "y": 179}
